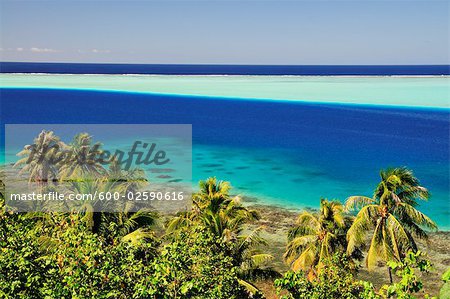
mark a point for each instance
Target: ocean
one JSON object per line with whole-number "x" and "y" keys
{"x": 206, "y": 69}
{"x": 284, "y": 153}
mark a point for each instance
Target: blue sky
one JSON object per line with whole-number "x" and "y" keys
{"x": 226, "y": 32}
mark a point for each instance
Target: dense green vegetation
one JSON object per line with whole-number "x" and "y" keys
{"x": 213, "y": 250}
{"x": 334, "y": 280}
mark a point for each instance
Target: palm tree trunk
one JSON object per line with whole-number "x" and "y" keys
{"x": 390, "y": 274}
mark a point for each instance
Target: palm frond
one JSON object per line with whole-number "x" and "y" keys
{"x": 376, "y": 249}
{"x": 399, "y": 239}
{"x": 357, "y": 231}
{"x": 137, "y": 236}
{"x": 297, "y": 245}
{"x": 178, "y": 222}
{"x": 252, "y": 239}
{"x": 408, "y": 211}
{"x": 306, "y": 260}
{"x": 260, "y": 259}
{"x": 357, "y": 202}
{"x": 248, "y": 286}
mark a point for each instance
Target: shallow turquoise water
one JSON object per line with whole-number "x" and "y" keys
{"x": 283, "y": 153}
{"x": 427, "y": 91}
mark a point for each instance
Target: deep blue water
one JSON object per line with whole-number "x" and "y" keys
{"x": 295, "y": 152}
{"x": 199, "y": 69}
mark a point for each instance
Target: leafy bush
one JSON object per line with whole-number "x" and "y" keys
{"x": 409, "y": 283}
{"x": 333, "y": 280}
{"x": 194, "y": 265}
{"x": 21, "y": 272}
{"x": 445, "y": 290}
{"x": 87, "y": 268}
{"x": 64, "y": 259}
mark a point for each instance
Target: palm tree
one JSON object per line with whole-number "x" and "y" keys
{"x": 214, "y": 208}
{"x": 224, "y": 216}
{"x": 316, "y": 237}
{"x": 40, "y": 159}
{"x": 213, "y": 195}
{"x": 127, "y": 224}
{"x": 391, "y": 216}
{"x": 125, "y": 181}
{"x": 82, "y": 158}
{"x": 210, "y": 191}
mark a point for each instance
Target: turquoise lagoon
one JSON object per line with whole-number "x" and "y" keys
{"x": 280, "y": 140}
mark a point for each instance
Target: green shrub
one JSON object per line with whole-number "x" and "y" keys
{"x": 409, "y": 283}
{"x": 445, "y": 290}
{"x": 64, "y": 259}
{"x": 22, "y": 273}
{"x": 333, "y": 280}
{"x": 194, "y": 265}
{"x": 87, "y": 268}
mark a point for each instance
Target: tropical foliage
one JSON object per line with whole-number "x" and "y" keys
{"x": 445, "y": 290}
{"x": 224, "y": 217}
{"x": 316, "y": 237}
{"x": 213, "y": 250}
{"x": 194, "y": 265}
{"x": 39, "y": 159}
{"x": 405, "y": 269}
{"x": 77, "y": 162}
{"x": 336, "y": 280}
{"x": 391, "y": 216}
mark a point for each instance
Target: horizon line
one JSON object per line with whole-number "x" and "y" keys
{"x": 220, "y": 64}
